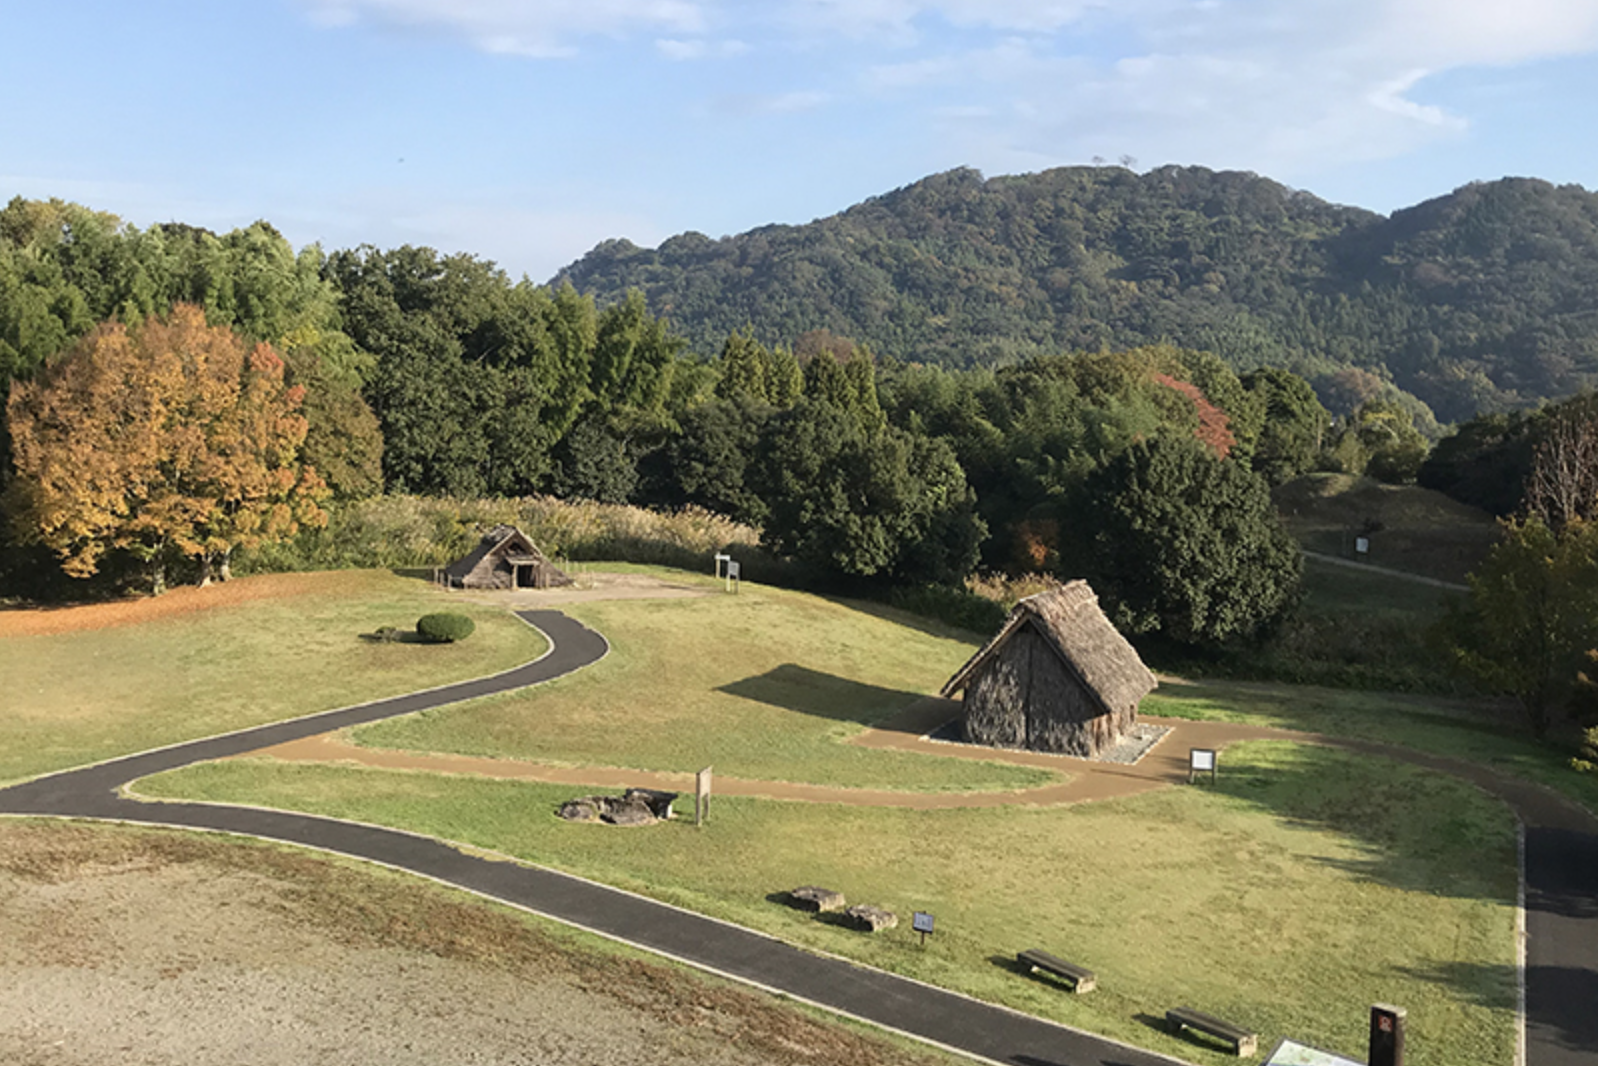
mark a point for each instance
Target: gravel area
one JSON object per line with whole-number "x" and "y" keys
{"x": 150, "y": 948}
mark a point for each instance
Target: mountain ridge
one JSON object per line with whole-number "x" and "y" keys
{"x": 1485, "y": 298}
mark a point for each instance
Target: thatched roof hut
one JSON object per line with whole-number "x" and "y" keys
{"x": 1057, "y": 677}
{"x": 505, "y": 559}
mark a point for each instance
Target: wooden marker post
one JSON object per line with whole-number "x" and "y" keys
{"x": 721, "y": 557}
{"x": 1387, "y": 1035}
{"x": 701, "y": 796}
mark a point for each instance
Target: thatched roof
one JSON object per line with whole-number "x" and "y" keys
{"x": 1070, "y": 621}
{"x": 501, "y": 538}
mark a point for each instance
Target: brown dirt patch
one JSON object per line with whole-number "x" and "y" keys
{"x": 185, "y": 600}
{"x": 1086, "y": 780}
{"x": 586, "y": 588}
{"x": 157, "y": 947}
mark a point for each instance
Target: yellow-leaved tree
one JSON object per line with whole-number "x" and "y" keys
{"x": 168, "y": 438}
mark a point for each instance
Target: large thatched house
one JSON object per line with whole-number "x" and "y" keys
{"x": 505, "y": 559}
{"x": 1057, "y": 677}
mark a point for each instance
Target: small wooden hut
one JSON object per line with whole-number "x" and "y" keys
{"x": 1057, "y": 677}
{"x": 505, "y": 559}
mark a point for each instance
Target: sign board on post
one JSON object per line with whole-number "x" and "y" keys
{"x": 721, "y": 557}
{"x": 1387, "y": 1035}
{"x": 701, "y": 796}
{"x": 1200, "y": 760}
{"x": 921, "y": 922}
{"x": 733, "y": 570}
{"x": 1362, "y": 545}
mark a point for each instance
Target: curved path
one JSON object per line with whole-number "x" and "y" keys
{"x": 1561, "y": 875}
{"x": 922, "y": 1011}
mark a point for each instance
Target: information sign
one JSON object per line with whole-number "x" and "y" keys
{"x": 921, "y": 922}
{"x": 1289, "y": 1053}
{"x": 1200, "y": 761}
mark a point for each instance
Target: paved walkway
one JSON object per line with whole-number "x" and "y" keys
{"x": 918, "y": 1010}
{"x": 1561, "y": 863}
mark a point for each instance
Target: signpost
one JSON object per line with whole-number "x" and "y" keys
{"x": 1362, "y": 546}
{"x": 721, "y": 557}
{"x": 1387, "y": 1035}
{"x": 701, "y": 796}
{"x": 921, "y": 922}
{"x": 733, "y": 571}
{"x": 1200, "y": 760}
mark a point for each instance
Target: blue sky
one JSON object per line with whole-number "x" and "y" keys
{"x": 526, "y": 131}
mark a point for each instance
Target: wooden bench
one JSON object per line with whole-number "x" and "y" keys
{"x": 1082, "y": 979}
{"x": 1245, "y": 1042}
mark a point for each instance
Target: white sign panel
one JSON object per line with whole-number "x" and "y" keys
{"x": 1202, "y": 759}
{"x": 1288, "y": 1053}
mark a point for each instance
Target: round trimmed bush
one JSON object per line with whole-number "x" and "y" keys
{"x": 444, "y": 628}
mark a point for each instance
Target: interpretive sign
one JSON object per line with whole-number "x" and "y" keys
{"x": 733, "y": 572}
{"x": 1387, "y": 1035}
{"x": 921, "y": 922}
{"x": 1362, "y": 546}
{"x": 1200, "y": 761}
{"x": 721, "y": 557}
{"x": 1289, "y": 1053}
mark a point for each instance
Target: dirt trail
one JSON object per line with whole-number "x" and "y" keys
{"x": 1087, "y": 780}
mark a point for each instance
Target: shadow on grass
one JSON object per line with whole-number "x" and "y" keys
{"x": 799, "y": 688}
{"x": 1410, "y": 828}
{"x": 403, "y": 636}
{"x": 1559, "y": 999}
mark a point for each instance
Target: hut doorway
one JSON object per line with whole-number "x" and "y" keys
{"x": 526, "y": 576}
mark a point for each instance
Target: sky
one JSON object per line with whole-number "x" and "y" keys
{"x": 527, "y": 131}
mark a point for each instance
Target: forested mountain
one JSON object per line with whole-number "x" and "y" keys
{"x": 1484, "y": 299}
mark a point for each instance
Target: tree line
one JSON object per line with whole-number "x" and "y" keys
{"x": 410, "y": 372}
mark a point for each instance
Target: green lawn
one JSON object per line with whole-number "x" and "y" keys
{"x": 77, "y": 697}
{"x": 1308, "y": 885}
{"x": 1474, "y": 730}
{"x": 766, "y": 685}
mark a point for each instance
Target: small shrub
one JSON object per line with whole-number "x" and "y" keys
{"x": 1582, "y": 766}
{"x": 444, "y": 628}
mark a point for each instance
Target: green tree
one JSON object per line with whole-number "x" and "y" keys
{"x": 1294, "y": 425}
{"x": 884, "y": 505}
{"x": 1532, "y": 615}
{"x": 1181, "y": 543}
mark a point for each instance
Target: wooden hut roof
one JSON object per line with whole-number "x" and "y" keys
{"x": 499, "y": 538}
{"x": 1070, "y": 621}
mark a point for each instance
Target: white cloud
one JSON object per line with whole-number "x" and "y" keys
{"x": 536, "y": 28}
{"x": 683, "y": 50}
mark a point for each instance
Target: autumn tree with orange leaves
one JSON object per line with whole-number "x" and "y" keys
{"x": 172, "y": 438}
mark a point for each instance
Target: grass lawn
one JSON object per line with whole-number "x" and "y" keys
{"x": 1473, "y": 730}
{"x": 1423, "y": 532}
{"x": 1308, "y": 885}
{"x": 763, "y": 685}
{"x": 75, "y": 697}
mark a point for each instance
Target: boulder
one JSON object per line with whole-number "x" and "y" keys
{"x": 816, "y": 899}
{"x": 636, "y": 806}
{"x": 629, "y": 812}
{"x": 864, "y": 916}
{"x": 580, "y": 810}
{"x": 658, "y": 802}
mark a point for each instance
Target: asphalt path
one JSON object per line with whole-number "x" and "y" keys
{"x": 910, "y": 1007}
{"x": 1561, "y": 879}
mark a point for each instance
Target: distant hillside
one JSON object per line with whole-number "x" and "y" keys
{"x": 1484, "y": 299}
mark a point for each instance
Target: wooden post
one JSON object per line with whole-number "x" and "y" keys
{"x": 701, "y": 796}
